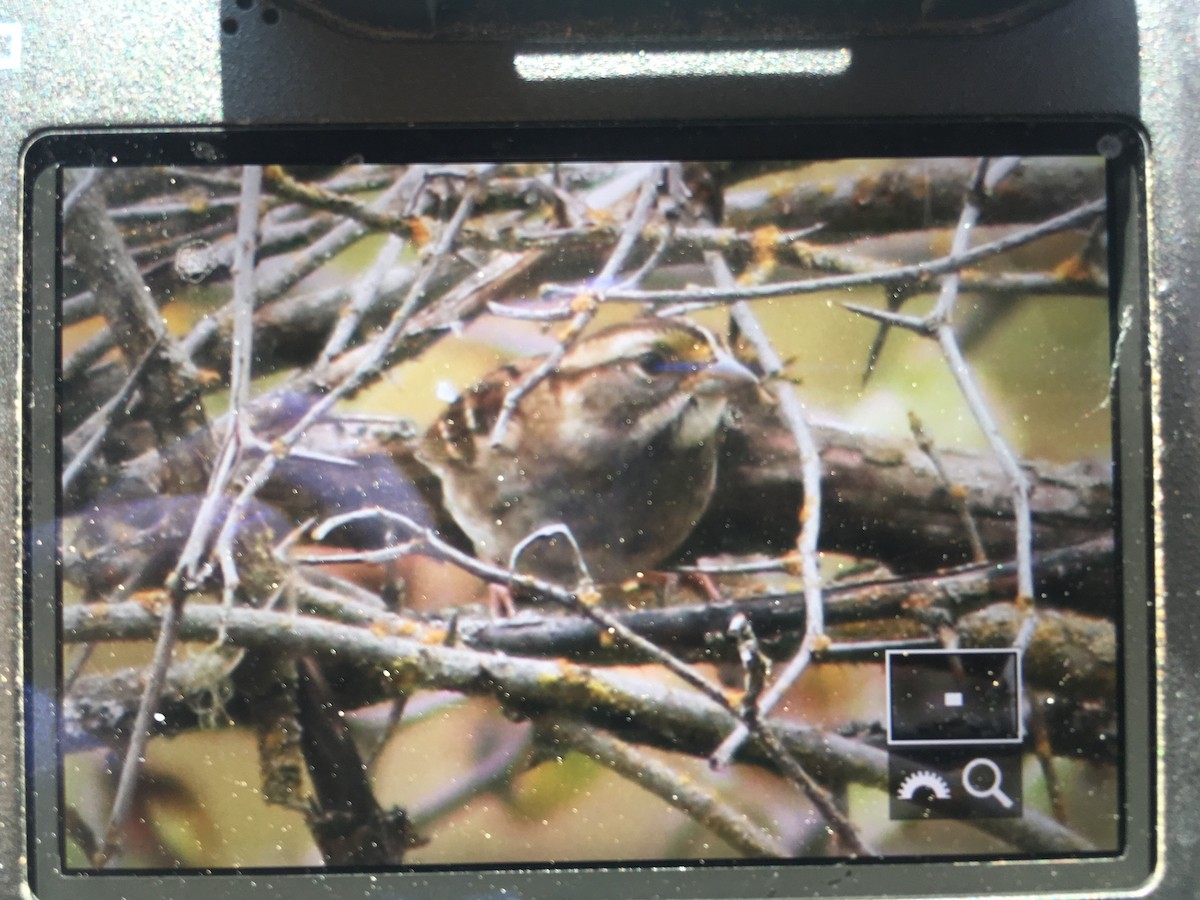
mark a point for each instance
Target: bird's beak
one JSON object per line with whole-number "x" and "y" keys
{"x": 725, "y": 372}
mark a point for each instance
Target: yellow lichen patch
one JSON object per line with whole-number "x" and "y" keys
{"x": 764, "y": 249}
{"x": 405, "y": 628}
{"x": 607, "y": 638}
{"x": 916, "y": 601}
{"x": 572, "y": 672}
{"x": 433, "y": 636}
{"x": 601, "y": 216}
{"x": 764, "y": 242}
{"x": 1074, "y": 269}
{"x": 583, "y": 303}
{"x": 793, "y": 564}
{"x": 589, "y": 596}
{"x": 418, "y": 230}
{"x": 197, "y": 202}
{"x": 151, "y": 600}
{"x": 208, "y": 377}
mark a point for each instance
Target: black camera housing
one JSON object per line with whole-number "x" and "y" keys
{"x": 242, "y": 66}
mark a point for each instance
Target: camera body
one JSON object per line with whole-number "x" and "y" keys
{"x": 240, "y": 66}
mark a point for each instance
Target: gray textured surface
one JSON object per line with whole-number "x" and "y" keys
{"x": 134, "y": 62}
{"x": 169, "y": 72}
{"x": 1171, "y": 96}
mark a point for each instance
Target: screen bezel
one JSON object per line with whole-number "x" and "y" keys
{"x": 924, "y": 877}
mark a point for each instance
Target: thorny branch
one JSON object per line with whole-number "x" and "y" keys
{"x": 658, "y": 778}
{"x": 792, "y": 412}
{"x": 587, "y": 302}
{"x": 915, "y": 272}
{"x": 630, "y": 706}
{"x": 186, "y": 570}
{"x": 938, "y": 325}
{"x": 428, "y": 541}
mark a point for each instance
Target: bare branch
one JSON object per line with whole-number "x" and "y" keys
{"x": 80, "y": 444}
{"x": 366, "y": 291}
{"x": 632, "y": 707}
{"x": 585, "y": 304}
{"x": 703, "y": 806}
{"x": 807, "y": 543}
{"x": 186, "y": 569}
{"x": 617, "y": 630}
{"x": 915, "y": 272}
{"x": 406, "y": 227}
{"x": 937, "y": 325}
{"x": 134, "y": 317}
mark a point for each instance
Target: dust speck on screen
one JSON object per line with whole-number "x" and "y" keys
{"x": 576, "y": 513}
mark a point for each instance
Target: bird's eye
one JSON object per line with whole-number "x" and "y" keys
{"x": 652, "y": 362}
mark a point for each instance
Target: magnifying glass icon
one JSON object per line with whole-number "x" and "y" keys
{"x": 993, "y": 789}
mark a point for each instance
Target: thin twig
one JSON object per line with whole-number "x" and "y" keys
{"x": 653, "y": 260}
{"x": 187, "y": 567}
{"x": 282, "y": 446}
{"x": 84, "y": 356}
{"x": 313, "y": 257}
{"x": 586, "y": 303}
{"x": 807, "y": 543}
{"x": 529, "y": 313}
{"x": 987, "y": 175}
{"x": 366, "y": 291}
{"x": 915, "y": 272}
{"x": 618, "y": 631}
{"x": 96, "y": 425}
{"x": 490, "y": 774}
{"x": 1044, "y": 751}
{"x": 81, "y": 184}
{"x": 938, "y": 326}
{"x": 1124, "y": 328}
{"x": 241, "y": 363}
{"x": 703, "y": 806}
{"x": 430, "y": 542}
{"x": 756, "y": 665}
{"x": 371, "y": 216}
{"x": 785, "y": 563}
{"x": 957, "y": 493}
{"x": 1004, "y": 455}
{"x": 139, "y": 734}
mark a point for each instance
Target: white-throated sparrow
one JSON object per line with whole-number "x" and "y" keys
{"x": 618, "y": 443}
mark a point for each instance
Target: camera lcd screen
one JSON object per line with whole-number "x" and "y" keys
{"x": 542, "y": 502}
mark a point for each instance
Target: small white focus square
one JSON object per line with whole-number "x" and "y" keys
{"x": 10, "y": 45}
{"x": 954, "y": 697}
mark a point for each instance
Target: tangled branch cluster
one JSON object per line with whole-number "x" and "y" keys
{"x": 217, "y": 489}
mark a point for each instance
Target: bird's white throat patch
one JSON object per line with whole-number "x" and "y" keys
{"x": 700, "y": 420}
